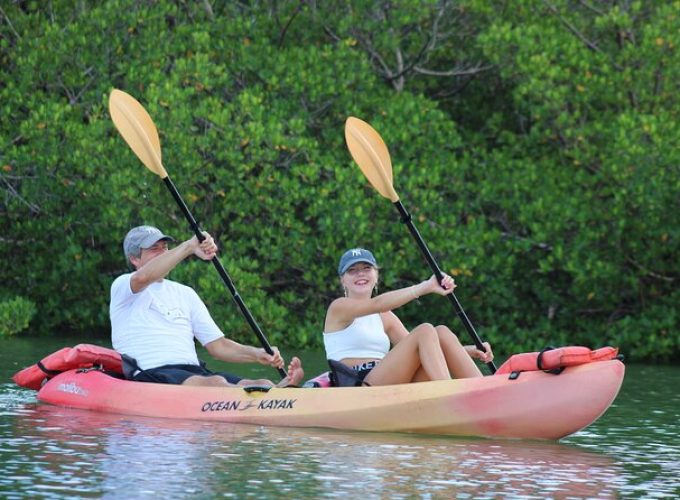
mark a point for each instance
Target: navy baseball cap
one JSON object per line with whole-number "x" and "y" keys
{"x": 351, "y": 257}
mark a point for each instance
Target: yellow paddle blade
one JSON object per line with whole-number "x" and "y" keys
{"x": 138, "y": 130}
{"x": 371, "y": 154}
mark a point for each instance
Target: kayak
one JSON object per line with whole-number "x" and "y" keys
{"x": 531, "y": 404}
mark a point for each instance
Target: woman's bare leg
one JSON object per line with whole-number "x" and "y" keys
{"x": 210, "y": 381}
{"x": 419, "y": 350}
{"x": 294, "y": 376}
{"x": 460, "y": 364}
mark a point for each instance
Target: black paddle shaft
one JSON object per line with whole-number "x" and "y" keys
{"x": 407, "y": 219}
{"x": 222, "y": 272}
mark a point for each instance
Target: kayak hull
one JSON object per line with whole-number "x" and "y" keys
{"x": 537, "y": 405}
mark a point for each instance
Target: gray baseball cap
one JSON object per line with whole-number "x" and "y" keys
{"x": 354, "y": 255}
{"x": 142, "y": 237}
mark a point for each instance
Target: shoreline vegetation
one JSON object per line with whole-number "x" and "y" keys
{"x": 536, "y": 145}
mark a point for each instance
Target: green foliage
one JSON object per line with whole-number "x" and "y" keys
{"x": 584, "y": 189}
{"x": 536, "y": 145}
{"x": 15, "y": 315}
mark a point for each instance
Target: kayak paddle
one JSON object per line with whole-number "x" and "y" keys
{"x": 139, "y": 131}
{"x": 370, "y": 153}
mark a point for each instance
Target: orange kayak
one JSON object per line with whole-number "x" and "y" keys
{"x": 535, "y": 405}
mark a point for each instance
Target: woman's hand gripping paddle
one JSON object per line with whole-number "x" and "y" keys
{"x": 370, "y": 153}
{"x": 139, "y": 131}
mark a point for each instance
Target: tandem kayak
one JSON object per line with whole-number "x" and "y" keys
{"x": 529, "y": 404}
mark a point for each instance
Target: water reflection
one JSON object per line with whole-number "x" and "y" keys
{"x": 642, "y": 430}
{"x": 49, "y": 452}
{"x": 68, "y": 452}
{"x": 62, "y": 452}
{"x": 391, "y": 465}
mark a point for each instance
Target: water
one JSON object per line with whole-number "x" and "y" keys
{"x": 633, "y": 451}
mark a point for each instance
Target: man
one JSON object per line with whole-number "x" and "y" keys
{"x": 155, "y": 320}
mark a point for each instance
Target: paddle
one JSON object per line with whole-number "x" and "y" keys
{"x": 370, "y": 153}
{"x": 139, "y": 131}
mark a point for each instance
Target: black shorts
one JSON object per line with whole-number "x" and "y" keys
{"x": 364, "y": 369}
{"x": 177, "y": 374}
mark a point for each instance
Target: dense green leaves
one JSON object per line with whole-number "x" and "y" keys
{"x": 536, "y": 144}
{"x": 15, "y": 315}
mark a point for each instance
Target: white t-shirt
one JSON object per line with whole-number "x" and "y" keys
{"x": 365, "y": 337}
{"x": 157, "y": 326}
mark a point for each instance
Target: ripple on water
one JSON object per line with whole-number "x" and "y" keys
{"x": 53, "y": 452}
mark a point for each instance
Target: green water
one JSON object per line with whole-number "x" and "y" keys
{"x": 633, "y": 451}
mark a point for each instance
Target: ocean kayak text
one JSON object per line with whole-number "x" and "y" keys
{"x": 265, "y": 404}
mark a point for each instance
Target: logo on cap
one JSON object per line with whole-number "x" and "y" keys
{"x": 354, "y": 256}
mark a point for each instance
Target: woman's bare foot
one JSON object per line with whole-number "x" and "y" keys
{"x": 295, "y": 374}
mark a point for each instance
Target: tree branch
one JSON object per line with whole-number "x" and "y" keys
{"x": 572, "y": 28}
{"x": 297, "y": 11}
{"x": 453, "y": 72}
{"x": 9, "y": 23}
{"x": 592, "y": 8}
{"x": 667, "y": 279}
{"x": 13, "y": 193}
{"x": 208, "y": 9}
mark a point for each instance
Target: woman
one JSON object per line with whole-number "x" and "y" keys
{"x": 359, "y": 329}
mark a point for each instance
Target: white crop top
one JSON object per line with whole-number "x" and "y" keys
{"x": 364, "y": 338}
